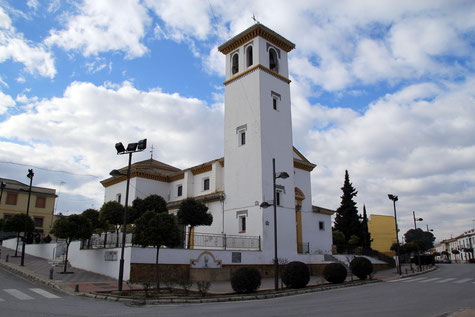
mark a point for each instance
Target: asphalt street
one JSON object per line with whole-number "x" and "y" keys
{"x": 446, "y": 290}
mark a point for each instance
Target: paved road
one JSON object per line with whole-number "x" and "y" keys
{"x": 450, "y": 288}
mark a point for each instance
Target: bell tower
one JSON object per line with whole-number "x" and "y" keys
{"x": 257, "y": 129}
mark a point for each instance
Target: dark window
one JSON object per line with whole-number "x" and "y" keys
{"x": 249, "y": 56}
{"x": 40, "y": 202}
{"x": 235, "y": 64}
{"x": 274, "y": 103}
{"x": 38, "y": 222}
{"x": 243, "y": 138}
{"x": 119, "y": 198}
{"x": 277, "y": 197}
{"x": 180, "y": 190}
{"x": 273, "y": 61}
{"x": 206, "y": 184}
{"x": 321, "y": 225}
{"x": 242, "y": 224}
{"x": 12, "y": 198}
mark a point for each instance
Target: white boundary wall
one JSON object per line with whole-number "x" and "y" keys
{"x": 43, "y": 250}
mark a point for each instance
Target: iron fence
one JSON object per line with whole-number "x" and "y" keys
{"x": 198, "y": 241}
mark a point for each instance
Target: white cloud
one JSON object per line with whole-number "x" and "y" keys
{"x": 93, "y": 118}
{"x": 417, "y": 143}
{"x": 102, "y": 26}
{"x": 6, "y": 102}
{"x": 33, "y": 4}
{"x": 13, "y": 46}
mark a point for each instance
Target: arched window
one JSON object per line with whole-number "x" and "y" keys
{"x": 235, "y": 64}
{"x": 249, "y": 56}
{"x": 273, "y": 61}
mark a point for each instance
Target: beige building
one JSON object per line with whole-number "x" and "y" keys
{"x": 14, "y": 200}
{"x": 383, "y": 233}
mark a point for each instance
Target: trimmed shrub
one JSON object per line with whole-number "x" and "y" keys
{"x": 361, "y": 267}
{"x": 296, "y": 275}
{"x": 334, "y": 273}
{"x": 246, "y": 280}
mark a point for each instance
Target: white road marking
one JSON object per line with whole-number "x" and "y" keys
{"x": 446, "y": 280}
{"x": 43, "y": 293}
{"x": 17, "y": 294}
{"x": 430, "y": 280}
{"x": 463, "y": 280}
{"x": 414, "y": 279}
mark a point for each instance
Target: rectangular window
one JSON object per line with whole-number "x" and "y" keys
{"x": 242, "y": 224}
{"x": 38, "y": 222}
{"x": 12, "y": 198}
{"x": 275, "y": 100}
{"x": 206, "y": 184}
{"x": 179, "y": 190}
{"x": 321, "y": 225}
{"x": 277, "y": 197}
{"x": 242, "y": 136}
{"x": 118, "y": 197}
{"x": 40, "y": 202}
{"x": 241, "y": 133}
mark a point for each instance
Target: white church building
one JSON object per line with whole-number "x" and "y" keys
{"x": 257, "y": 129}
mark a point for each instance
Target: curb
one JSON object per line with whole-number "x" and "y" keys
{"x": 32, "y": 277}
{"x": 229, "y": 298}
{"x": 434, "y": 268}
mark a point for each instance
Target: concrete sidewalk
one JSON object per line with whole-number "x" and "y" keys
{"x": 39, "y": 269}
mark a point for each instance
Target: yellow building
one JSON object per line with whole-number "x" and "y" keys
{"x": 14, "y": 200}
{"x": 383, "y": 233}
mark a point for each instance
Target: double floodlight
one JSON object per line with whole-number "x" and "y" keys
{"x": 131, "y": 147}
{"x": 392, "y": 197}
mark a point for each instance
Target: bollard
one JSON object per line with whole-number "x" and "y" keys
{"x": 76, "y": 288}
{"x": 51, "y": 271}
{"x": 7, "y": 258}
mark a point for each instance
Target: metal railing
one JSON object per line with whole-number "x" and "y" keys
{"x": 225, "y": 242}
{"x": 303, "y": 248}
{"x": 199, "y": 241}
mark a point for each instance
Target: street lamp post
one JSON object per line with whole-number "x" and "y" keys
{"x": 394, "y": 199}
{"x": 131, "y": 148}
{"x": 275, "y": 175}
{"x": 30, "y": 176}
{"x": 415, "y": 219}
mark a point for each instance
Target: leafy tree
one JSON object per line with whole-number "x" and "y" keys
{"x": 154, "y": 203}
{"x": 193, "y": 213}
{"x": 426, "y": 237}
{"x": 365, "y": 235}
{"x": 112, "y": 213}
{"x": 338, "y": 237}
{"x": 347, "y": 219}
{"x": 156, "y": 229}
{"x": 70, "y": 228}
{"x": 16, "y": 223}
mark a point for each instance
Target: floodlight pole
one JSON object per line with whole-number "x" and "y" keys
{"x": 30, "y": 176}
{"x": 124, "y": 229}
{"x": 394, "y": 199}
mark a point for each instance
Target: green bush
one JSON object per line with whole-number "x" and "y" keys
{"x": 361, "y": 267}
{"x": 246, "y": 280}
{"x": 471, "y": 261}
{"x": 296, "y": 275}
{"x": 334, "y": 273}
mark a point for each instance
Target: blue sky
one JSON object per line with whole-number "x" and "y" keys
{"x": 384, "y": 89}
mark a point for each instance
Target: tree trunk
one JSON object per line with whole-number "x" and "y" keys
{"x": 189, "y": 237}
{"x": 156, "y": 271}
{"x": 66, "y": 260}
{"x": 117, "y": 242}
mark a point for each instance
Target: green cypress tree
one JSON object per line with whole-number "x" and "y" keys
{"x": 347, "y": 219}
{"x": 365, "y": 235}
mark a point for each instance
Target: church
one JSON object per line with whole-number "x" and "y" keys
{"x": 258, "y": 152}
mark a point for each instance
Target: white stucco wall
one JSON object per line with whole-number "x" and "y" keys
{"x": 43, "y": 250}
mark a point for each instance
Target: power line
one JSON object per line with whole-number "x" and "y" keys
{"x": 49, "y": 170}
